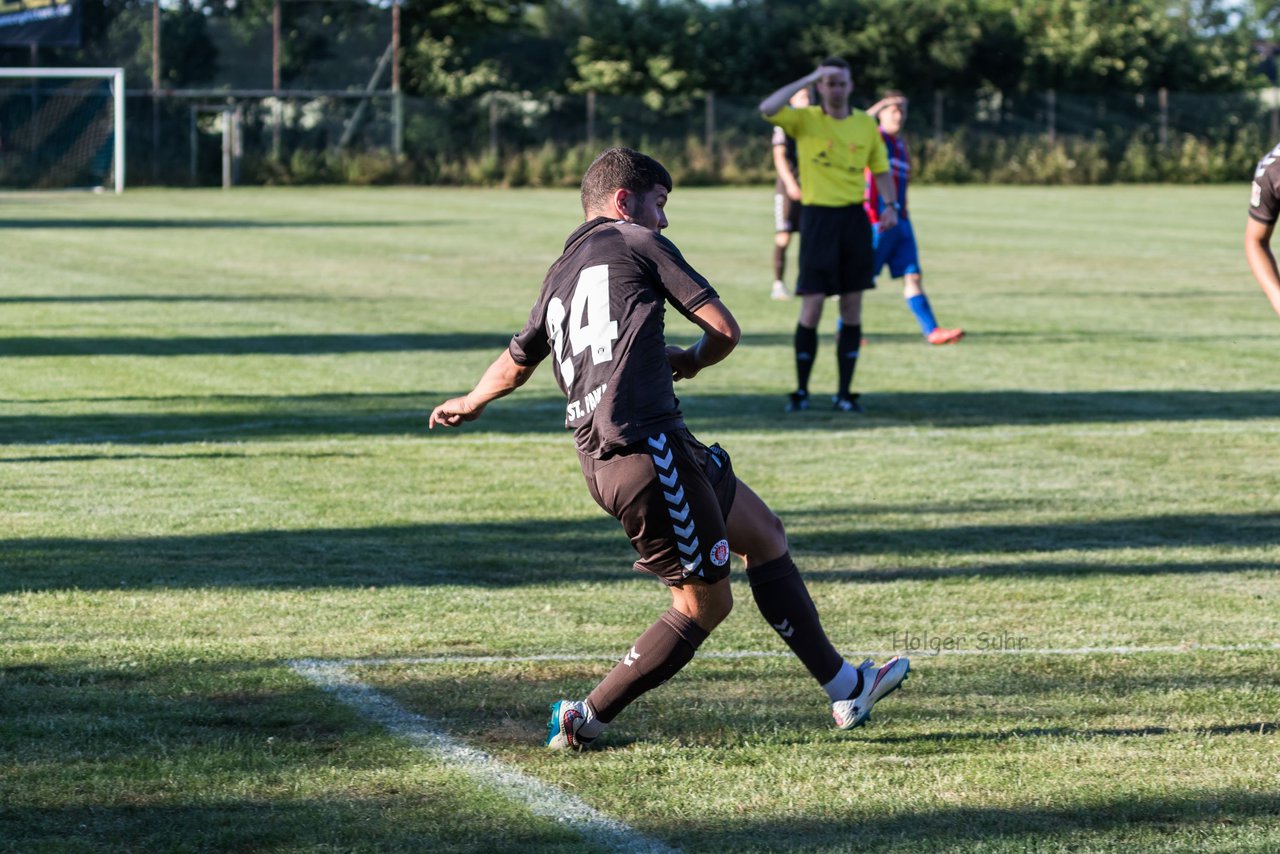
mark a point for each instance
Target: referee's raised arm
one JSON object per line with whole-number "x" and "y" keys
{"x": 774, "y": 103}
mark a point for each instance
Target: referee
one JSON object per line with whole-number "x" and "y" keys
{"x": 835, "y": 144}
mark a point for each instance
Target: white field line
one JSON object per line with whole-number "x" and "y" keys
{"x": 733, "y": 655}
{"x": 545, "y": 800}
{"x": 540, "y": 798}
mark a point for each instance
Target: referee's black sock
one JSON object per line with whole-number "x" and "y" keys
{"x": 806, "y": 351}
{"x": 848, "y": 340}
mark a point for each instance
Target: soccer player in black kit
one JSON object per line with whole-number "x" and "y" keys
{"x": 600, "y": 319}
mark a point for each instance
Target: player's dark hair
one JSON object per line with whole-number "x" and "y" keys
{"x": 835, "y": 62}
{"x": 620, "y": 168}
{"x": 892, "y": 93}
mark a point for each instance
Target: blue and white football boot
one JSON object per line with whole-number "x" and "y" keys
{"x": 567, "y": 717}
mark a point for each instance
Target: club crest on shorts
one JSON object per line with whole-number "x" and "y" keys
{"x": 720, "y": 553}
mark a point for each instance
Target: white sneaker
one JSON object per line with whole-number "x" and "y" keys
{"x": 780, "y": 290}
{"x": 876, "y": 685}
{"x": 567, "y": 717}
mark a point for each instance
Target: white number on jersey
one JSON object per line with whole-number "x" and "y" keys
{"x": 590, "y": 324}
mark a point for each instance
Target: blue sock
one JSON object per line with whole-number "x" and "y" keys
{"x": 919, "y": 305}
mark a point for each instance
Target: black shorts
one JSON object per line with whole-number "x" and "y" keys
{"x": 786, "y": 213}
{"x": 836, "y": 252}
{"x": 672, "y": 495}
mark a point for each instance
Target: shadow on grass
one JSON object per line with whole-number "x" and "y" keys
{"x": 210, "y": 224}
{"x": 203, "y": 756}
{"x": 167, "y": 298}
{"x": 249, "y": 345}
{"x": 541, "y": 551}
{"x": 1269, "y": 728}
{"x": 535, "y": 414}
{"x": 1203, "y": 530}
{"x": 226, "y": 418}
{"x": 1179, "y": 817}
{"x": 238, "y": 755}
{"x": 710, "y": 413}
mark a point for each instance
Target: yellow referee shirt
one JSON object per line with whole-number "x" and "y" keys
{"x": 832, "y": 153}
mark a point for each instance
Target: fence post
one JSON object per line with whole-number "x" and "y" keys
{"x": 493, "y": 124}
{"x": 591, "y": 120}
{"x": 155, "y": 91}
{"x": 227, "y": 137}
{"x": 1052, "y": 110}
{"x": 194, "y": 139}
{"x": 711, "y": 127}
{"x": 937, "y": 115}
{"x": 1163, "y": 99}
{"x": 397, "y": 98}
{"x": 277, "y": 112}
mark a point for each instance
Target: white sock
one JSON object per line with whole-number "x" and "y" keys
{"x": 842, "y": 686}
{"x": 591, "y": 727}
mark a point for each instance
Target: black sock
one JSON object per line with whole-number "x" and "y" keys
{"x": 806, "y": 343}
{"x": 784, "y": 601}
{"x": 848, "y": 340}
{"x": 779, "y": 261}
{"x": 658, "y": 654}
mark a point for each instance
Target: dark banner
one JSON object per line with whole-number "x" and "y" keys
{"x": 40, "y": 22}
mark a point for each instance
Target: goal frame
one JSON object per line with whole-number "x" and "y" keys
{"x": 115, "y": 75}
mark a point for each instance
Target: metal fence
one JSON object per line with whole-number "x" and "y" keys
{"x": 349, "y": 135}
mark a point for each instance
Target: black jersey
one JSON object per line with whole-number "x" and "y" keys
{"x": 1264, "y": 197}
{"x": 789, "y": 145}
{"x": 600, "y": 316}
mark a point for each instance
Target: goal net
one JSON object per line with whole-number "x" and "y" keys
{"x": 61, "y": 128}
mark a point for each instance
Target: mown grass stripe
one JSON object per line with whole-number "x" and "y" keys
{"x": 541, "y": 799}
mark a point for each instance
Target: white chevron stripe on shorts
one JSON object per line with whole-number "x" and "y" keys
{"x": 677, "y": 507}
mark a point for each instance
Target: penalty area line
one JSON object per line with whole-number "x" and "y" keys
{"x": 541, "y": 799}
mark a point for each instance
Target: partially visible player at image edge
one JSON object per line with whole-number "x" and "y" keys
{"x": 600, "y": 318}
{"x": 1264, "y": 209}
{"x": 896, "y": 247}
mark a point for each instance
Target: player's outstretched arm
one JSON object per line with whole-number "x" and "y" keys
{"x": 720, "y": 334}
{"x": 1257, "y": 249}
{"x": 500, "y": 379}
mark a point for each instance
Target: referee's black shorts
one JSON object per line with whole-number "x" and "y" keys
{"x": 836, "y": 252}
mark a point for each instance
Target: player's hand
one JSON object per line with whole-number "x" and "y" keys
{"x": 453, "y": 412}
{"x": 684, "y": 363}
{"x": 793, "y": 192}
{"x": 888, "y": 218}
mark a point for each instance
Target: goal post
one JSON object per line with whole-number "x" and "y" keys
{"x": 91, "y": 130}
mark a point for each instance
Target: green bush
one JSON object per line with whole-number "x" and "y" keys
{"x": 742, "y": 158}
{"x": 945, "y": 162}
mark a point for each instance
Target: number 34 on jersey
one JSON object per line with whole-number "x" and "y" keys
{"x": 590, "y": 329}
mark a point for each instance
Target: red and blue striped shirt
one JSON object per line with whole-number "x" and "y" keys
{"x": 900, "y": 167}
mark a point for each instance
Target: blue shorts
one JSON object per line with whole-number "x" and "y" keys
{"x": 897, "y": 248}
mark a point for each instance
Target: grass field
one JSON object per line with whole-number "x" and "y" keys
{"x": 214, "y": 465}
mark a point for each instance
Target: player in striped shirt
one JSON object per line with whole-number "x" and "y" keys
{"x": 896, "y": 247}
